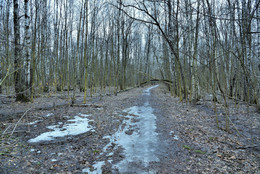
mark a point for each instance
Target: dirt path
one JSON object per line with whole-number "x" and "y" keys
{"x": 146, "y": 148}
{"x": 144, "y": 130}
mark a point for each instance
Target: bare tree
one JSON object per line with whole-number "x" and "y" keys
{"x": 27, "y": 45}
{"x": 85, "y": 52}
{"x": 18, "y": 65}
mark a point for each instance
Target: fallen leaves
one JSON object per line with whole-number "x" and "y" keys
{"x": 199, "y": 135}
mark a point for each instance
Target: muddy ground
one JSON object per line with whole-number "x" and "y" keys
{"x": 191, "y": 141}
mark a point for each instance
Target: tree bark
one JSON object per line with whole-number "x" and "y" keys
{"x": 18, "y": 74}
{"x": 85, "y": 53}
{"x": 27, "y": 46}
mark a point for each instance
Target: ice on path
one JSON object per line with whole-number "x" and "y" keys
{"x": 75, "y": 126}
{"x": 147, "y": 91}
{"x": 141, "y": 145}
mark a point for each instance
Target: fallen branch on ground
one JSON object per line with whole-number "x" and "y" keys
{"x": 19, "y": 121}
{"x": 87, "y": 105}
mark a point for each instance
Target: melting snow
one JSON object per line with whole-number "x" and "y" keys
{"x": 97, "y": 168}
{"x": 34, "y": 122}
{"x": 147, "y": 91}
{"x": 48, "y": 115}
{"x": 141, "y": 145}
{"x": 75, "y": 126}
{"x": 176, "y": 137}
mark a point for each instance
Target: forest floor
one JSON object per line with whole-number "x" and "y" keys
{"x": 184, "y": 138}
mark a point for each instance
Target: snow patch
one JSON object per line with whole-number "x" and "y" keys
{"x": 49, "y": 114}
{"x": 34, "y": 122}
{"x": 76, "y": 126}
{"x": 147, "y": 91}
{"x": 97, "y": 168}
{"x": 176, "y": 137}
{"x": 140, "y": 146}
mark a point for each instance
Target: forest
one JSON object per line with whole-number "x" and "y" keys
{"x": 93, "y": 55}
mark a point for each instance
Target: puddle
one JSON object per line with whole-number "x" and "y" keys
{"x": 140, "y": 146}
{"x": 75, "y": 126}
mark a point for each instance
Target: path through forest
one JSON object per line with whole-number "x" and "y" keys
{"x": 143, "y": 130}
{"x": 139, "y": 137}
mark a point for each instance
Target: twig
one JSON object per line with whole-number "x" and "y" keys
{"x": 2, "y": 80}
{"x": 19, "y": 121}
{"x": 235, "y": 127}
{"x": 6, "y": 129}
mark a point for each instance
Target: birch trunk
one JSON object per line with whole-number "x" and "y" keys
{"x": 85, "y": 54}
{"x": 27, "y": 44}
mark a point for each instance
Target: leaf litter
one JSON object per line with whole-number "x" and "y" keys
{"x": 187, "y": 134}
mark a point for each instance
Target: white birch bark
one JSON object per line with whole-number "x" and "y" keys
{"x": 27, "y": 42}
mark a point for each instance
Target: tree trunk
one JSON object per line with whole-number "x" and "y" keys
{"x": 18, "y": 74}
{"x": 27, "y": 46}
{"x": 195, "y": 85}
{"x": 85, "y": 54}
{"x": 33, "y": 61}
